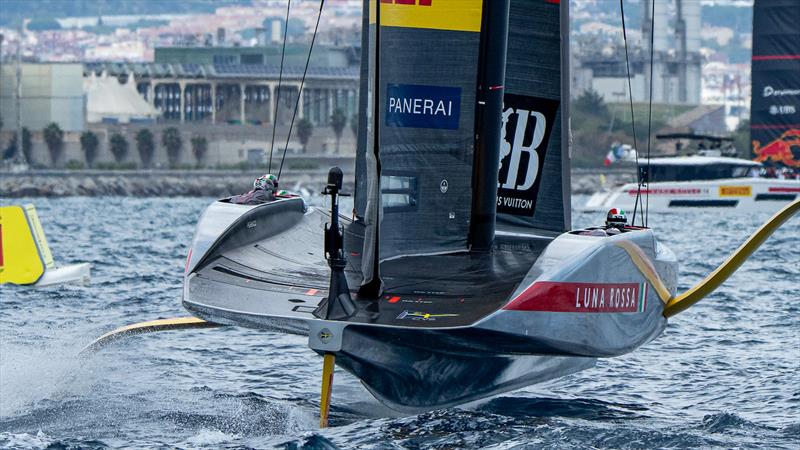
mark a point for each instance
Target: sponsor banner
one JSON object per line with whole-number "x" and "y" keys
{"x": 784, "y": 149}
{"x": 784, "y": 189}
{"x": 670, "y": 191}
{"x": 735, "y": 191}
{"x": 526, "y": 126}
{"x": 418, "y": 315}
{"x": 417, "y": 106}
{"x": 454, "y": 15}
{"x": 551, "y": 296}
{"x": 775, "y": 103}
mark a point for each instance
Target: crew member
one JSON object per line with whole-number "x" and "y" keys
{"x": 264, "y": 188}
{"x": 616, "y": 220}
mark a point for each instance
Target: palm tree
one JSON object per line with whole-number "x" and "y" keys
{"x": 54, "y": 138}
{"x": 199, "y": 149}
{"x": 304, "y": 130}
{"x": 119, "y": 147}
{"x": 89, "y": 144}
{"x": 338, "y": 122}
{"x": 146, "y": 146}
{"x": 171, "y": 140}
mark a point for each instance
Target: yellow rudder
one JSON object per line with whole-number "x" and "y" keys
{"x": 20, "y": 259}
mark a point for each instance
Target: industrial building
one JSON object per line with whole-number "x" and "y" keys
{"x": 676, "y": 59}
{"x": 239, "y": 85}
{"x": 230, "y": 96}
{"x": 48, "y": 93}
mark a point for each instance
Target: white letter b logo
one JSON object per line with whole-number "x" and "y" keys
{"x": 518, "y": 147}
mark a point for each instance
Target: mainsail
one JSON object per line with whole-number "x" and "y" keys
{"x": 419, "y": 191}
{"x": 775, "y": 104}
{"x": 534, "y": 178}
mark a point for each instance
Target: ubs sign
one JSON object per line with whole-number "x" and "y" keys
{"x": 525, "y": 133}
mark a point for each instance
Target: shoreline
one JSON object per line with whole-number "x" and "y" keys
{"x": 204, "y": 183}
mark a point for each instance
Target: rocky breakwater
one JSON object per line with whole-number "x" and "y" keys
{"x": 50, "y": 183}
{"x": 141, "y": 184}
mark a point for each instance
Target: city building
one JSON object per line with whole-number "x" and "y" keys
{"x": 676, "y": 59}
{"x": 47, "y": 93}
{"x": 239, "y": 85}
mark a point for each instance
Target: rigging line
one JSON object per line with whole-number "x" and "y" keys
{"x": 633, "y": 120}
{"x": 278, "y": 89}
{"x": 650, "y": 112}
{"x": 300, "y": 91}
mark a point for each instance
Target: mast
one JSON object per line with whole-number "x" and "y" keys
{"x": 373, "y": 287}
{"x": 491, "y": 79}
{"x": 566, "y": 133}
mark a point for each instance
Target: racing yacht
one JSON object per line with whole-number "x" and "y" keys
{"x": 457, "y": 275}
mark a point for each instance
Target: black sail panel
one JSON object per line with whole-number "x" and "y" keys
{"x": 428, "y": 68}
{"x": 533, "y": 183}
{"x": 775, "y": 107}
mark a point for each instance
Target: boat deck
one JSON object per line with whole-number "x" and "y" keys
{"x": 285, "y": 276}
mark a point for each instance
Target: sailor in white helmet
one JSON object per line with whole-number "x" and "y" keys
{"x": 616, "y": 220}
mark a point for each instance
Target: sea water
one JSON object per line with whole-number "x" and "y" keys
{"x": 726, "y": 373}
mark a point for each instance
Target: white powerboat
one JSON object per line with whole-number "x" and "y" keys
{"x": 700, "y": 182}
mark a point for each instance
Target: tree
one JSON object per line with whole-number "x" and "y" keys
{"x": 145, "y": 145}
{"x": 43, "y": 25}
{"x": 12, "y": 148}
{"x": 54, "y": 138}
{"x": 119, "y": 147}
{"x": 89, "y": 144}
{"x": 741, "y": 140}
{"x": 171, "y": 140}
{"x": 338, "y": 122}
{"x": 591, "y": 102}
{"x": 199, "y": 148}
{"x": 354, "y": 125}
{"x": 304, "y": 130}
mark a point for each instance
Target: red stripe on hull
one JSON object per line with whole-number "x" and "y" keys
{"x": 774, "y": 57}
{"x": 775, "y": 127}
{"x": 550, "y": 296}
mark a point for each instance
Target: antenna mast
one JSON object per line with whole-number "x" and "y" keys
{"x": 17, "y": 94}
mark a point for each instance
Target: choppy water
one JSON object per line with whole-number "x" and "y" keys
{"x": 725, "y": 374}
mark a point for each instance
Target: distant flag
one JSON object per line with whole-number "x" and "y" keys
{"x": 617, "y": 152}
{"x": 614, "y": 154}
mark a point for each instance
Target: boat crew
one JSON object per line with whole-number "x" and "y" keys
{"x": 264, "y": 190}
{"x": 616, "y": 220}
